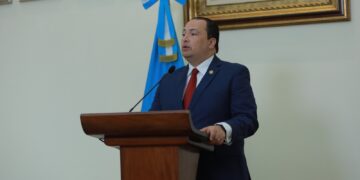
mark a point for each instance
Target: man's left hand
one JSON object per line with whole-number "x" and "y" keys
{"x": 216, "y": 134}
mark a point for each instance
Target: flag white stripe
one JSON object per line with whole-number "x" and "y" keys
{"x": 169, "y": 50}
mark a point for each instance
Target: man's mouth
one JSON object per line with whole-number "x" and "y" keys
{"x": 185, "y": 47}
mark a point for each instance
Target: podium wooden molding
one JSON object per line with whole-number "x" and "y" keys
{"x": 161, "y": 145}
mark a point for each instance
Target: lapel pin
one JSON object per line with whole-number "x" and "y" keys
{"x": 211, "y": 72}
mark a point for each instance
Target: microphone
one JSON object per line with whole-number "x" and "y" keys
{"x": 170, "y": 71}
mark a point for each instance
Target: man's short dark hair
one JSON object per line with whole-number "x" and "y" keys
{"x": 212, "y": 30}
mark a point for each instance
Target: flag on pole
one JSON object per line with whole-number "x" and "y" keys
{"x": 165, "y": 52}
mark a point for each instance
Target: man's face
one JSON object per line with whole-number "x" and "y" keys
{"x": 195, "y": 44}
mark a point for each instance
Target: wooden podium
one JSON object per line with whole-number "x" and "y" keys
{"x": 161, "y": 145}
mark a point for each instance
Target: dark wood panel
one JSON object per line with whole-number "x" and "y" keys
{"x": 161, "y": 123}
{"x": 151, "y": 163}
{"x": 148, "y": 141}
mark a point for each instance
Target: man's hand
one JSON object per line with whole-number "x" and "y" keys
{"x": 216, "y": 134}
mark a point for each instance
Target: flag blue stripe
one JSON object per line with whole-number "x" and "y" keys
{"x": 149, "y": 3}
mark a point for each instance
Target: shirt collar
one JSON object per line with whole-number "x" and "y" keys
{"x": 203, "y": 67}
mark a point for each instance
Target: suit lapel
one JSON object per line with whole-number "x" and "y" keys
{"x": 181, "y": 83}
{"x": 212, "y": 71}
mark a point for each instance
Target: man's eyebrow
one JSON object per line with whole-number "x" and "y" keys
{"x": 191, "y": 30}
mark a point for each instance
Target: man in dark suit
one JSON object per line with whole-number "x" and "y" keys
{"x": 219, "y": 97}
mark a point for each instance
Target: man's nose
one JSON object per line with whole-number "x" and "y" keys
{"x": 185, "y": 38}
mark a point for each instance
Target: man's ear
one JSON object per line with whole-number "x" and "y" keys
{"x": 212, "y": 43}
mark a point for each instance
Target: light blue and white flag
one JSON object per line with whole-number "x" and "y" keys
{"x": 165, "y": 52}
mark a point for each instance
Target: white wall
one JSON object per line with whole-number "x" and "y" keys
{"x": 60, "y": 58}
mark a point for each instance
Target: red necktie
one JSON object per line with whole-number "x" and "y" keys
{"x": 190, "y": 88}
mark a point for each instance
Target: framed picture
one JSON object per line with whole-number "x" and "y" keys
{"x": 230, "y": 14}
{"x": 5, "y": 1}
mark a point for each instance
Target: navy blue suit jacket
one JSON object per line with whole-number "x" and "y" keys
{"x": 223, "y": 95}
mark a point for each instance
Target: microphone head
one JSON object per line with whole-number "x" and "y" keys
{"x": 171, "y": 69}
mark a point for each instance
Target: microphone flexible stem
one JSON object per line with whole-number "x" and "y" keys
{"x": 170, "y": 71}
{"x": 144, "y": 96}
